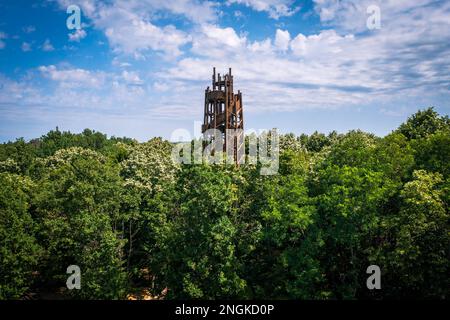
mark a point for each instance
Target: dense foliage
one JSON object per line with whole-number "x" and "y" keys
{"x": 130, "y": 217}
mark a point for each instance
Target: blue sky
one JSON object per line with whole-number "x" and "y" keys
{"x": 138, "y": 68}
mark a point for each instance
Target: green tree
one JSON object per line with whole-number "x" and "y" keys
{"x": 21, "y": 152}
{"x": 316, "y": 142}
{"x": 353, "y": 149}
{"x": 349, "y": 200}
{"x": 78, "y": 201}
{"x": 423, "y": 123}
{"x": 418, "y": 255}
{"x": 148, "y": 199}
{"x": 201, "y": 250}
{"x": 432, "y": 153}
{"x": 19, "y": 251}
{"x": 394, "y": 157}
{"x": 285, "y": 264}
{"x": 289, "y": 142}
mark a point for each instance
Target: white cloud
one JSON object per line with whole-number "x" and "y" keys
{"x": 47, "y": 45}
{"x": 260, "y": 46}
{"x": 194, "y": 10}
{"x": 238, "y": 14}
{"x": 131, "y": 77}
{"x": 197, "y": 11}
{"x": 74, "y": 77}
{"x": 332, "y": 68}
{"x": 275, "y": 8}
{"x": 212, "y": 40}
{"x": 335, "y": 67}
{"x": 282, "y": 39}
{"x": 129, "y": 25}
{"x": 351, "y": 15}
{"x": 78, "y": 92}
{"x": 160, "y": 86}
{"x": 77, "y": 35}
{"x": 2, "y": 36}
{"x": 29, "y": 29}
{"x": 26, "y": 47}
{"x": 321, "y": 46}
{"x": 13, "y": 91}
{"x": 116, "y": 62}
{"x": 129, "y": 33}
{"x": 135, "y": 36}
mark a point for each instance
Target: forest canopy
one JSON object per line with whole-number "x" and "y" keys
{"x": 131, "y": 218}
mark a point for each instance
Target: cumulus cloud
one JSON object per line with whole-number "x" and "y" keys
{"x": 83, "y": 94}
{"x": 77, "y": 35}
{"x": 26, "y": 46}
{"x": 212, "y": 40}
{"x": 129, "y": 33}
{"x": 285, "y": 72}
{"x": 334, "y": 67}
{"x": 73, "y": 77}
{"x": 194, "y": 10}
{"x": 321, "y": 46}
{"x": 29, "y": 29}
{"x": 275, "y": 8}
{"x": 282, "y": 39}
{"x": 129, "y": 25}
{"x": 2, "y": 36}
{"x": 136, "y": 36}
{"x": 14, "y": 91}
{"x": 132, "y": 78}
{"x": 47, "y": 45}
{"x": 351, "y": 15}
{"x": 343, "y": 64}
